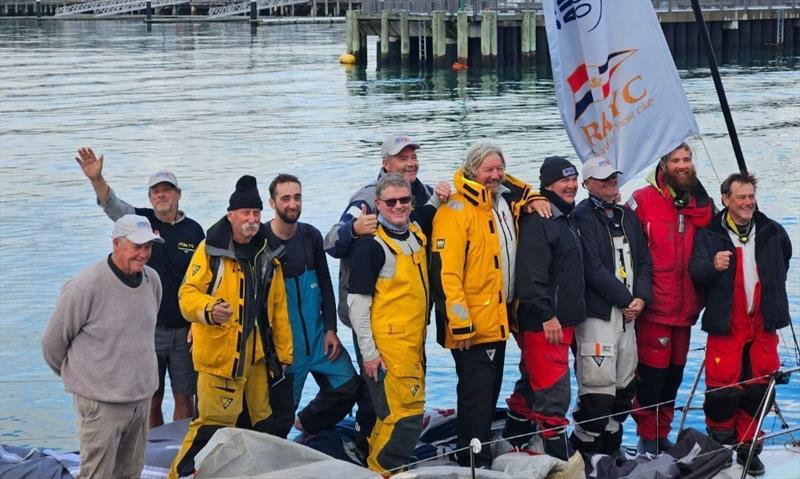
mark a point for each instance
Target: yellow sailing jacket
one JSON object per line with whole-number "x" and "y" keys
{"x": 465, "y": 254}
{"x": 219, "y": 349}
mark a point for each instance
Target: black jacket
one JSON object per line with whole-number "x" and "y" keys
{"x": 170, "y": 260}
{"x": 549, "y": 271}
{"x": 773, "y": 252}
{"x": 603, "y": 289}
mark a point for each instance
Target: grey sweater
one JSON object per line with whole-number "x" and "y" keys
{"x": 100, "y": 338}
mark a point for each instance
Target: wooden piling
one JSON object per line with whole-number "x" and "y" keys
{"x": 352, "y": 37}
{"x": 489, "y": 34}
{"x": 528, "y": 34}
{"x": 405, "y": 40}
{"x": 384, "y": 35}
{"x": 462, "y": 54}
{"x": 439, "y": 36}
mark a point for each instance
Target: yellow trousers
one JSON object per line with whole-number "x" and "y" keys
{"x": 399, "y": 401}
{"x": 222, "y": 402}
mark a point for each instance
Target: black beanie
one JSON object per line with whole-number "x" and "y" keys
{"x": 554, "y": 168}
{"x": 246, "y": 195}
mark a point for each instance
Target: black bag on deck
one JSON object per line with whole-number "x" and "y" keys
{"x": 698, "y": 456}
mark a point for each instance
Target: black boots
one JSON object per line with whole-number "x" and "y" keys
{"x": 559, "y": 447}
{"x": 517, "y": 431}
{"x": 756, "y": 467}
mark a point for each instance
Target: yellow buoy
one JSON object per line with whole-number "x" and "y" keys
{"x": 347, "y": 59}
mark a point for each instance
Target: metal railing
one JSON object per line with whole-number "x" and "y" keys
{"x": 112, "y": 7}
{"x": 244, "y": 7}
{"x": 425, "y": 7}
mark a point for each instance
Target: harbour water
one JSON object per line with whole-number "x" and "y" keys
{"x": 212, "y": 102}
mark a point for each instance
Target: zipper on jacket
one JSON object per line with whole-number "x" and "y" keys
{"x": 503, "y": 228}
{"x": 302, "y": 319}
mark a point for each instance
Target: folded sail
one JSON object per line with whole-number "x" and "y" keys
{"x": 618, "y": 90}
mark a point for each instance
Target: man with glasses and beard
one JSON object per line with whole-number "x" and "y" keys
{"x": 671, "y": 208}
{"x": 312, "y": 313}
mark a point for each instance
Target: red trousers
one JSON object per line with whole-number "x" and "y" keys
{"x": 662, "y": 356}
{"x": 545, "y": 397}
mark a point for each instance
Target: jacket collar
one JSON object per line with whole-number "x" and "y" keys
{"x": 482, "y": 197}
{"x": 717, "y": 224}
{"x": 219, "y": 238}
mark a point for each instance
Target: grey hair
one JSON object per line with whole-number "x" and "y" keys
{"x": 476, "y": 154}
{"x": 391, "y": 179}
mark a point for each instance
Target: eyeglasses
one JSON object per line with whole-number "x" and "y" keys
{"x": 392, "y": 202}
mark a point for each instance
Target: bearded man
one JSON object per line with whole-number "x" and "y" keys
{"x": 670, "y": 209}
{"x": 312, "y": 314}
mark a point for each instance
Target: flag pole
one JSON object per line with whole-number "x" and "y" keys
{"x": 723, "y": 100}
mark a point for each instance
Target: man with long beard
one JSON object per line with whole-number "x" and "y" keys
{"x": 312, "y": 313}
{"x": 671, "y": 208}
{"x": 236, "y": 300}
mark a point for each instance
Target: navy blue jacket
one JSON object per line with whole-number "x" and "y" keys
{"x": 773, "y": 252}
{"x": 170, "y": 260}
{"x": 603, "y": 289}
{"x": 549, "y": 271}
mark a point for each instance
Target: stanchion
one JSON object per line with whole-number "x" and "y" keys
{"x": 761, "y": 415}
{"x": 474, "y": 448}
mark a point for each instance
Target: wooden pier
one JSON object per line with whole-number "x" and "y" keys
{"x": 445, "y": 33}
{"x": 189, "y": 8}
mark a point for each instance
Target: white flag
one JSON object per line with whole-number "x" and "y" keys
{"x": 618, "y": 90}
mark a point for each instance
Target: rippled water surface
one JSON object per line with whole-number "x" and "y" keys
{"x": 212, "y": 102}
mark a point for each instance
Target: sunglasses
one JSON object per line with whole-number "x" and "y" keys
{"x": 610, "y": 178}
{"x": 392, "y": 202}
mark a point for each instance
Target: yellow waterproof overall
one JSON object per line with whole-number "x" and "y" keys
{"x": 224, "y": 402}
{"x": 398, "y": 317}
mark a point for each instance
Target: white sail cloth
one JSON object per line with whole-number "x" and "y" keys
{"x": 618, "y": 90}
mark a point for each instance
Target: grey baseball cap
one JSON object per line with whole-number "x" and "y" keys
{"x": 598, "y": 168}
{"x": 395, "y": 144}
{"x": 136, "y": 229}
{"x": 163, "y": 177}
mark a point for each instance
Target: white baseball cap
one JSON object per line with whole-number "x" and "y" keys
{"x": 136, "y": 229}
{"x": 395, "y": 144}
{"x": 163, "y": 177}
{"x": 598, "y": 168}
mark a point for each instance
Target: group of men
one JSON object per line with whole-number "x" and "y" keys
{"x": 242, "y": 313}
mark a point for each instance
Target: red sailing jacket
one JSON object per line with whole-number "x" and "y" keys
{"x": 676, "y": 300}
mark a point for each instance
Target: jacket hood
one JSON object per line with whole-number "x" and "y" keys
{"x": 480, "y": 196}
{"x": 219, "y": 238}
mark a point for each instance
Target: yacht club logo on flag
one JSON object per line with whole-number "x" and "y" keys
{"x": 590, "y": 83}
{"x": 616, "y": 82}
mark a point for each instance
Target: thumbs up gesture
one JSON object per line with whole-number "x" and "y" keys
{"x": 366, "y": 223}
